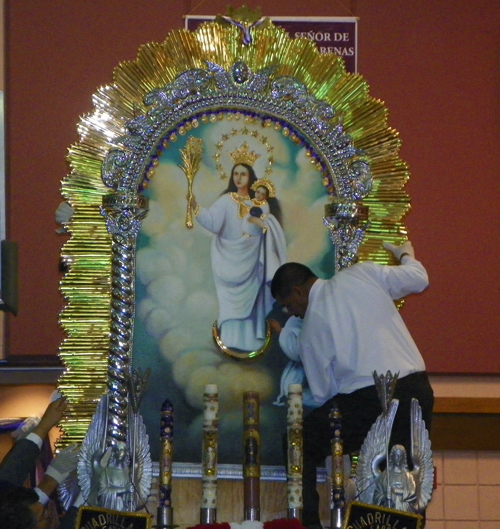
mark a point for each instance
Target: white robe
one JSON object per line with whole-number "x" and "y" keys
{"x": 294, "y": 371}
{"x": 243, "y": 266}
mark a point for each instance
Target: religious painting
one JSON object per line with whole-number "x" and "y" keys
{"x": 213, "y": 158}
{"x": 206, "y": 273}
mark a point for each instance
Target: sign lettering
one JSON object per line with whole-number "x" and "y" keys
{"x": 364, "y": 516}
{"x": 97, "y": 518}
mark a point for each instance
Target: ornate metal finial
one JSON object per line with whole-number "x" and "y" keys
{"x": 138, "y": 382}
{"x": 243, "y": 155}
{"x": 265, "y": 182}
{"x": 385, "y": 384}
{"x": 243, "y": 18}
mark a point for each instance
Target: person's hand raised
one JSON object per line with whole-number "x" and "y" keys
{"x": 53, "y": 414}
{"x": 400, "y": 251}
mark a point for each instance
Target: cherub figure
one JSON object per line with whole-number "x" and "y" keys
{"x": 396, "y": 486}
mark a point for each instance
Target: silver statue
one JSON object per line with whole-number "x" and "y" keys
{"x": 115, "y": 475}
{"x": 397, "y": 486}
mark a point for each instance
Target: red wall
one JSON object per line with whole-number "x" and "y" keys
{"x": 436, "y": 66}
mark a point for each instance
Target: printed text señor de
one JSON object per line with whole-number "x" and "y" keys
{"x": 338, "y": 42}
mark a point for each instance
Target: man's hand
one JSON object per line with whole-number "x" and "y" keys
{"x": 53, "y": 414}
{"x": 400, "y": 251}
{"x": 63, "y": 463}
{"x": 275, "y": 326}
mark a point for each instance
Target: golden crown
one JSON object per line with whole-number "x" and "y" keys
{"x": 243, "y": 155}
{"x": 265, "y": 182}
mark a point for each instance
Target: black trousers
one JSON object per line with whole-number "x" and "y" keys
{"x": 359, "y": 410}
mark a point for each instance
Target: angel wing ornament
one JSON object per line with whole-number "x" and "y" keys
{"x": 373, "y": 453}
{"x": 396, "y": 486}
{"x": 115, "y": 475}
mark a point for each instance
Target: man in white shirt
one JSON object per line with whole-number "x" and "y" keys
{"x": 351, "y": 329}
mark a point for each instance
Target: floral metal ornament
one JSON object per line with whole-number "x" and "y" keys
{"x": 166, "y": 92}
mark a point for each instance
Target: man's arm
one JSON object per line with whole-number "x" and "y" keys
{"x": 288, "y": 336}
{"x": 21, "y": 459}
{"x": 407, "y": 278}
{"x": 45, "y": 488}
{"x": 19, "y": 462}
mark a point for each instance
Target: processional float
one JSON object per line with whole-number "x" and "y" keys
{"x": 242, "y": 66}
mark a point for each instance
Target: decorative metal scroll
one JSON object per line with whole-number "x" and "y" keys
{"x": 168, "y": 90}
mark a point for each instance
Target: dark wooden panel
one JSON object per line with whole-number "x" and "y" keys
{"x": 465, "y": 431}
{"x": 466, "y": 405}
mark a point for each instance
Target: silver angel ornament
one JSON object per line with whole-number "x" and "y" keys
{"x": 402, "y": 485}
{"x": 115, "y": 475}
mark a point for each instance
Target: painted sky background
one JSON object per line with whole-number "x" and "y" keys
{"x": 177, "y": 303}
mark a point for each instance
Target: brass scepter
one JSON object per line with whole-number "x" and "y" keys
{"x": 191, "y": 158}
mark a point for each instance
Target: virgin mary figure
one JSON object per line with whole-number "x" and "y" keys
{"x": 247, "y": 248}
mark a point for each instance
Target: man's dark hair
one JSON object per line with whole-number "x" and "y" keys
{"x": 15, "y": 512}
{"x": 288, "y": 276}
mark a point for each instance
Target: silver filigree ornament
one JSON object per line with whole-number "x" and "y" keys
{"x": 347, "y": 225}
{"x": 120, "y": 222}
{"x": 115, "y": 469}
{"x": 346, "y": 236}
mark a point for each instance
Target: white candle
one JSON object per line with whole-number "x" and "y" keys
{"x": 210, "y": 404}
{"x": 295, "y": 443}
{"x": 209, "y": 446}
